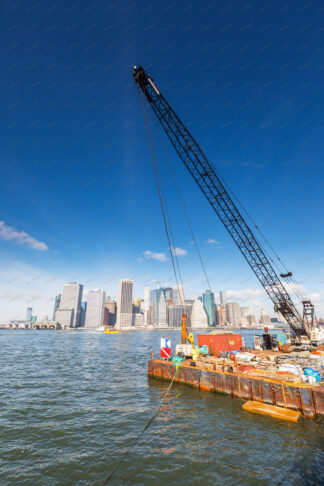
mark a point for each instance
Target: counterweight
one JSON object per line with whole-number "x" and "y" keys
{"x": 212, "y": 187}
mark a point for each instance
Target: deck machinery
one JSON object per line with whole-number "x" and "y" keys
{"x": 303, "y": 326}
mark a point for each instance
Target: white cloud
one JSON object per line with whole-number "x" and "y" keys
{"x": 8, "y": 233}
{"x": 210, "y": 241}
{"x": 160, "y": 257}
{"x": 244, "y": 294}
{"x": 179, "y": 251}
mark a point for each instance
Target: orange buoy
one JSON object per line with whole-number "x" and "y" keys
{"x": 271, "y": 410}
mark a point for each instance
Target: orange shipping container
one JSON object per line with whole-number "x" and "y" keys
{"x": 220, "y": 342}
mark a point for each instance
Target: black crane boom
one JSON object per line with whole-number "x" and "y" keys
{"x": 204, "y": 174}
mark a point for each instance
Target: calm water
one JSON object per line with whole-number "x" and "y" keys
{"x": 72, "y": 402}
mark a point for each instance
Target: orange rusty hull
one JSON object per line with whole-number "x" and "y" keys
{"x": 307, "y": 399}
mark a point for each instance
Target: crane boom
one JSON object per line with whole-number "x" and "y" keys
{"x": 212, "y": 187}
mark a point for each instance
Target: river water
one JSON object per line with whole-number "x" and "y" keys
{"x": 72, "y": 402}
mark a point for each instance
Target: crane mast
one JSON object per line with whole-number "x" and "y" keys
{"x": 214, "y": 190}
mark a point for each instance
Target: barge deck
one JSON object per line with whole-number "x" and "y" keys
{"x": 305, "y": 398}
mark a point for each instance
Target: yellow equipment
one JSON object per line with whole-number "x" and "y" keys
{"x": 271, "y": 410}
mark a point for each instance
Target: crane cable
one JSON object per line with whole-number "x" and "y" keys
{"x": 150, "y": 124}
{"x": 163, "y": 206}
{"x": 157, "y": 410}
{"x": 184, "y": 211}
{"x": 296, "y": 290}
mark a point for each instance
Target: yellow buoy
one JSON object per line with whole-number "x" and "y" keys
{"x": 271, "y": 410}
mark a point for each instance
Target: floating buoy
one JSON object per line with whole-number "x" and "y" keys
{"x": 271, "y": 410}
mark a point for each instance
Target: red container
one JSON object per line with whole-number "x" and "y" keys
{"x": 220, "y": 342}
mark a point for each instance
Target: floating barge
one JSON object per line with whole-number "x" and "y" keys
{"x": 305, "y": 398}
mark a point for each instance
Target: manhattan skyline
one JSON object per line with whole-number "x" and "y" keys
{"x": 78, "y": 200}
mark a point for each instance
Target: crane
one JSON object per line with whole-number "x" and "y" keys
{"x": 217, "y": 195}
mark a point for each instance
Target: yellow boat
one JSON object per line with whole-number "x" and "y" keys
{"x": 111, "y": 331}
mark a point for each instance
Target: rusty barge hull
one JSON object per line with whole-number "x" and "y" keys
{"x": 307, "y": 399}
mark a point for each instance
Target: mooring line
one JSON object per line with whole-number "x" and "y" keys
{"x": 145, "y": 428}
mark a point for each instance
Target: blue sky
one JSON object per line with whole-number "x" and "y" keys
{"x": 76, "y": 171}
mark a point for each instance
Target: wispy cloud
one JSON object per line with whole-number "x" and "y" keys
{"x": 244, "y": 294}
{"x": 150, "y": 255}
{"x": 8, "y": 233}
{"x": 179, "y": 251}
{"x": 210, "y": 241}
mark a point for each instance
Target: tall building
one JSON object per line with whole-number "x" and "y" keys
{"x": 175, "y": 315}
{"x": 146, "y": 306}
{"x": 83, "y": 313}
{"x": 65, "y": 317}
{"x": 222, "y": 297}
{"x": 110, "y": 313}
{"x": 233, "y": 314}
{"x": 159, "y": 308}
{"x": 199, "y": 319}
{"x": 70, "y": 301}
{"x": 251, "y": 320}
{"x": 264, "y": 318}
{"x": 29, "y": 313}
{"x": 56, "y": 305}
{"x": 245, "y": 312}
{"x": 181, "y": 295}
{"x": 95, "y": 309}
{"x": 124, "y": 304}
{"x": 221, "y": 313}
{"x": 209, "y": 304}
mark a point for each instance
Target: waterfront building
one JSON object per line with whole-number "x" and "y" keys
{"x": 29, "y": 313}
{"x": 233, "y": 314}
{"x": 181, "y": 295}
{"x": 245, "y": 311}
{"x": 199, "y": 319}
{"x": 71, "y": 301}
{"x": 159, "y": 308}
{"x": 110, "y": 312}
{"x": 264, "y": 318}
{"x": 146, "y": 306}
{"x": 65, "y": 317}
{"x": 124, "y": 304}
{"x": 56, "y": 304}
{"x": 95, "y": 309}
{"x": 175, "y": 315}
{"x": 209, "y": 304}
{"x": 83, "y": 313}
{"x": 138, "y": 319}
{"x": 251, "y": 320}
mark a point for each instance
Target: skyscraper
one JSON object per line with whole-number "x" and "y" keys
{"x": 29, "y": 313}
{"x": 124, "y": 304}
{"x": 233, "y": 313}
{"x": 222, "y": 297}
{"x": 95, "y": 309}
{"x": 199, "y": 319}
{"x": 83, "y": 313}
{"x": 56, "y": 305}
{"x": 175, "y": 315}
{"x": 209, "y": 304}
{"x": 181, "y": 295}
{"x": 159, "y": 308}
{"x": 146, "y": 306}
{"x": 71, "y": 305}
{"x": 110, "y": 313}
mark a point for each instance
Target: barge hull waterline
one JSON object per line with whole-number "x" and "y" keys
{"x": 307, "y": 399}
